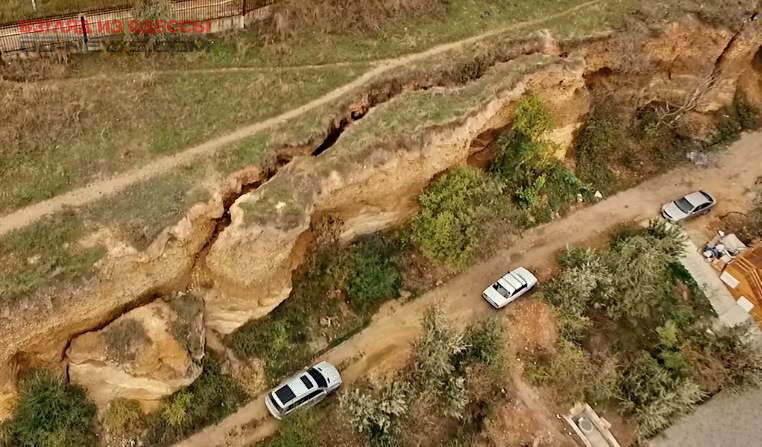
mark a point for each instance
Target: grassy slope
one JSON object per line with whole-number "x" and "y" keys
{"x": 106, "y": 126}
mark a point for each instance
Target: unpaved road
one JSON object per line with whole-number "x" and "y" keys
{"x": 98, "y": 190}
{"x": 384, "y": 345}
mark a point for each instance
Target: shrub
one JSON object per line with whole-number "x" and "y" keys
{"x": 374, "y": 274}
{"x": 532, "y": 118}
{"x": 660, "y": 413}
{"x": 210, "y": 398}
{"x": 376, "y": 412}
{"x": 124, "y": 422}
{"x": 484, "y": 343}
{"x": 577, "y": 288}
{"x": 595, "y": 146}
{"x": 453, "y": 209}
{"x": 526, "y": 165}
{"x": 279, "y": 339}
{"x": 741, "y": 359}
{"x": 734, "y": 119}
{"x": 50, "y": 413}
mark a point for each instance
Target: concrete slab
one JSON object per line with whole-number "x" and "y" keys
{"x": 728, "y": 311}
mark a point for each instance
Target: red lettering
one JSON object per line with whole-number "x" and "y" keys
{"x": 148, "y": 27}
{"x": 208, "y": 26}
{"x": 135, "y": 26}
{"x": 58, "y": 27}
{"x": 172, "y": 26}
{"x": 198, "y": 27}
{"x": 39, "y": 26}
{"x": 25, "y": 26}
{"x": 116, "y": 25}
{"x": 161, "y": 26}
{"x": 104, "y": 26}
{"x": 73, "y": 27}
{"x": 188, "y": 29}
{"x": 86, "y": 27}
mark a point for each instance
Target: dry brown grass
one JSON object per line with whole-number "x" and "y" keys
{"x": 331, "y": 16}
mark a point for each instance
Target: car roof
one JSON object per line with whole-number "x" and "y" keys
{"x": 295, "y": 388}
{"x": 697, "y": 198}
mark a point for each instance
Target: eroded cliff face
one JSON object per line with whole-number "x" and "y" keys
{"x": 146, "y": 354}
{"x": 688, "y": 65}
{"x": 242, "y": 267}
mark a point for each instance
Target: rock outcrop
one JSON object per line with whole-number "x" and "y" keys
{"x": 146, "y": 354}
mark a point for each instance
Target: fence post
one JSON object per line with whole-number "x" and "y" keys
{"x": 83, "y": 24}
{"x": 243, "y": 13}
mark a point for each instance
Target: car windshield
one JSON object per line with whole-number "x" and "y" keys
{"x": 285, "y": 394}
{"x": 684, "y": 205}
{"x": 317, "y": 377}
{"x": 306, "y": 382}
{"x": 502, "y": 290}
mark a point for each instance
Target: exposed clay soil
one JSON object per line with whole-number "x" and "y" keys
{"x": 385, "y": 345}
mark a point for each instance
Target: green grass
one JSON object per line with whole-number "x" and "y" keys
{"x": 50, "y": 252}
{"x": 107, "y": 126}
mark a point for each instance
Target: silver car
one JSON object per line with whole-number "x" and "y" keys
{"x": 508, "y": 288}
{"x": 691, "y": 205}
{"x": 303, "y": 390}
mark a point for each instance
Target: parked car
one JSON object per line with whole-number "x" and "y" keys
{"x": 508, "y": 288}
{"x": 691, "y": 205}
{"x": 303, "y": 390}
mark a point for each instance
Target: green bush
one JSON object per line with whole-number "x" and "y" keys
{"x": 374, "y": 275}
{"x": 209, "y": 399}
{"x": 532, "y": 118}
{"x": 376, "y": 411}
{"x": 50, "y": 413}
{"x": 526, "y": 165}
{"x": 595, "y": 147}
{"x": 453, "y": 209}
{"x": 734, "y": 119}
{"x": 280, "y": 339}
{"x": 484, "y": 343}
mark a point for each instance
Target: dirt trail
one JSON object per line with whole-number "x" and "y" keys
{"x": 384, "y": 345}
{"x": 97, "y": 190}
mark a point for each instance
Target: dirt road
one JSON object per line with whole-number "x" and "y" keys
{"x": 108, "y": 187}
{"x": 384, "y": 345}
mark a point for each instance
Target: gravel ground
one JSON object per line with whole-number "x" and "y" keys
{"x": 727, "y": 420}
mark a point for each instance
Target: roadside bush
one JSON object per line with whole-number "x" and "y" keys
{"x": 734, "y": 119}
{"x": 484, "y": 343}
{"x": 50, "y": 413}
{"x": 587, "y": 283}
{"x": 376, "y": 412}
{"x": 280, "y": 339}
{"x": 435, "y": 349}
{"x": 453, "y": 209}
{"x": 374, "y": 274}
{"x": 210, "y": 398}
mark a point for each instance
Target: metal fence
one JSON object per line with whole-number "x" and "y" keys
{"x": 85, "y": 24}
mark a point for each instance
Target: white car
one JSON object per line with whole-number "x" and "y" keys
{"x": 511, "y": 286}
{"x": 303, "y": 390}
{"x": 693, "y": 204}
